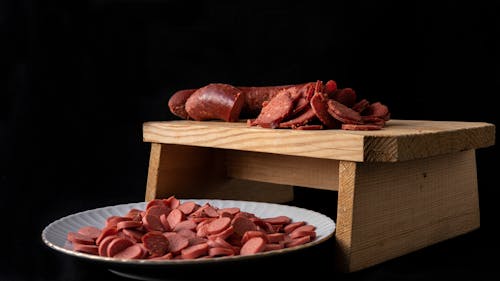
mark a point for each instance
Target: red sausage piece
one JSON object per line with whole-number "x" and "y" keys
{"x": 218, "y": 242}
{"x": 90, "y": 231}
{"x": 378, "y": 109}
{"x": 195, "y": 251}
{"x": 218, "y": 225}
{"x": 158, "y": 210}
{"x": 278, "y": 220}
{"x": 155, "y": 243}
{"x": 117, "y": 245}
{"x": 76, "y": 237}
{"x": 242, "y": 224}
{"x": 215, "y": 101}
{"x": 278, "y": 108}
{"x": 253, "y": 246}
{"x": 174, "y": 218}
{"x": 152, "y": 223}
{"x": 133, "y": 252}
{"x": 187, "y": 233}
{"x": 172, "y": 202}
{"x": 177, "y": 103}
{"x": 89, "y": 249}
{"x": 346, "y": 96}
{"x": 220, "y": 251}
{"x": 103, "y": 246}
{"x": 256, "y": 96}
{"x": 114, "y": 220}
{"x": 298, "y": 241}
{"x": 275, "y": 237}
{"x": 133, "y": 234}
{"x": 167, "y": 256}
{"x": 128, "y": 224}
{"x": 251, "y": 234}
{"x": 361, "y": 105}
{"x": 223, "y": 234}
{"x": 186, "y": 224}
{"x": 273, "y": 246}
{"x": 188, "y": 207}
{"x": 330, "y": 87}
{"x": 233, "y": 210}
{"x": 176, "y": 242}
{"x": 320, "y": 107}
{"x": 300, "y": 120}
{"x": 343, "y": 113}
{"x": 292, "y": 226}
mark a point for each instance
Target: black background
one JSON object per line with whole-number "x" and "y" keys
{"x": 80, "y": 77}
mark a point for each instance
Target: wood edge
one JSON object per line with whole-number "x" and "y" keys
{"x": 153, "y": 170}
{"x": 392, "y": 149}
{"x": 345, "y": 207}
{"x": 380, "y": 149}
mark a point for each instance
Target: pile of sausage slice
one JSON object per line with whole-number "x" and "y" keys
{"x": 171, "y": 229}
{"x": 308, "y": 106}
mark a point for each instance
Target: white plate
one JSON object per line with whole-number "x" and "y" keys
{"x": 55, "y": 234}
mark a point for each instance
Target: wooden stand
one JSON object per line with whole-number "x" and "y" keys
{"x": 400, "y": 189}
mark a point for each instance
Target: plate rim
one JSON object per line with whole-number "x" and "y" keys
{"x": 150, "y": 262}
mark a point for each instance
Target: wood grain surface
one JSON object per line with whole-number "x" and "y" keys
{"x": 399, "y": 140}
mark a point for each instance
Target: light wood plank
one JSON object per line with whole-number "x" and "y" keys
{"x": 345, "y": 210}
{"x": 400, "y": 140}
{"x": 198, "y": 172}
{"x": 397, "y": 208}
{"x": 283, "y": 169}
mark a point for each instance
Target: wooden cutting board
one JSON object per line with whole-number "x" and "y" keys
{"x": 399, "y": 140}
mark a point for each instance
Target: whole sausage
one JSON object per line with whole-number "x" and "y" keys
{"x": 253, "y": 97}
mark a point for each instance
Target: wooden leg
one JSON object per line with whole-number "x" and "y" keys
{"x": 199, "y": 172}
{"x": 386, "y": 210}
